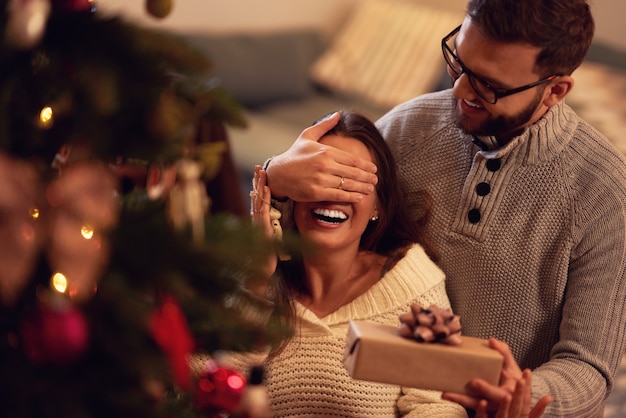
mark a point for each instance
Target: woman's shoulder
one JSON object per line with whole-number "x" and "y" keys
{"x": 417, "y": 268}
{"x": 417, "y": 253}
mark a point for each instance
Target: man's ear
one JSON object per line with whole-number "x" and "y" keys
{"x": 558, "y": 89}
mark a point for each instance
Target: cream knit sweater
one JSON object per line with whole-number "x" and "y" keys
{"x": 308, "y": 379}
{"x": 531, "y": 237}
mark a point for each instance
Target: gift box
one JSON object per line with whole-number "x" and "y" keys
{"x": 378, "y": 353}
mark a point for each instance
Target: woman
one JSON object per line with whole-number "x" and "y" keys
{"x": 360, "y": 261}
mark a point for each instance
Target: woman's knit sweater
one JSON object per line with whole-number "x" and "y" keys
{"x": 531, "y": 237}
{"x": 308, "y": 379}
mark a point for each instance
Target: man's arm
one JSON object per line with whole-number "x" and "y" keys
{"x": 309, "y": 171}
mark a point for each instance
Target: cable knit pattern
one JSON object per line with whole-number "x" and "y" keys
{"x": 541, "y": 263}
{"x": 308, "y": 379}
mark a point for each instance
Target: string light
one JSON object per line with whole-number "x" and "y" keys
{"x": 46, "y": 117}
{"x": 87, "y": 232}
{"x": 59, "y": 282}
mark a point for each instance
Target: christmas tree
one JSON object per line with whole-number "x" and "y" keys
{"x": 114, "y": 268}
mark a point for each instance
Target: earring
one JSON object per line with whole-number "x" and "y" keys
{"x": 374, "y": 218}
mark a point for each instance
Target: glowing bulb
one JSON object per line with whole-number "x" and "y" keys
{"x": 45, "y": 117}
{"x": 59, "y": 282}
{"x": 235, "y": 382}
{"x": 87, "y": 232}
{"x": 34, "y": 213}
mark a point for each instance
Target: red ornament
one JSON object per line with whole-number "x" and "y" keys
{"x": 169, "y": 329}
{"x": 219, "y": 389}
{"x": 73, "y": 5}
{"x": 57, "y": 336}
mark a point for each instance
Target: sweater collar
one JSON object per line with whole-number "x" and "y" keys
{"x": 539, "y": 142}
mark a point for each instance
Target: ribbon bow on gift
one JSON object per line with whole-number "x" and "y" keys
{"x": 431, "y": 325}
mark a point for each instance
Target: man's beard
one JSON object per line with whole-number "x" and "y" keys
{"x": 502, "y": 126}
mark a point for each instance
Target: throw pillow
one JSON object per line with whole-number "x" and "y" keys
{"x": 387, "y": 52}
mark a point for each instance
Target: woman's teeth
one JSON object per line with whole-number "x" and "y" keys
{"x": 329, "y": 215}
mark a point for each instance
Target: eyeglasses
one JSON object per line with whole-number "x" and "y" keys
{"x": 480, "y": 86}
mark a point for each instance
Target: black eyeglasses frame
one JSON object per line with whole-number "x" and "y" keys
{"x": 497, "y": 93}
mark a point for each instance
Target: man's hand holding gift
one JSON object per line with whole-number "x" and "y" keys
{"x": 510, "y": 399}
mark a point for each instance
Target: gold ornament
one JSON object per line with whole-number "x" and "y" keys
{"x": 159, "y": 8}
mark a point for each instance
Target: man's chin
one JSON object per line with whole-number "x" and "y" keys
{"x": 470, "y": 129}
{"x": 473, "y": 129}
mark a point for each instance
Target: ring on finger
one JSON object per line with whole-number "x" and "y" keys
{"x": 341, "y": 181}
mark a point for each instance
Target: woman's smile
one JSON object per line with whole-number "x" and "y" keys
{"x": 331, "y": 216}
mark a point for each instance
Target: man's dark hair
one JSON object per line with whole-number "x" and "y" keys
{"x": 563, "y": 29}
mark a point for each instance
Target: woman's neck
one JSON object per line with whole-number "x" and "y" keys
{"x": 336, "y": 278}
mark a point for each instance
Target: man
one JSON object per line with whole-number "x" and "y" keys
{"x": 528, "y": 200}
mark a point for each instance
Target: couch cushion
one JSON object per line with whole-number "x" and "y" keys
{"x": 260, "y": 68}
{"x": 387, "y": 52}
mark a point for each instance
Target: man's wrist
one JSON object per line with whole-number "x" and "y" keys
{"x": 267, "y": 162}
{"x": 278, "y": 199}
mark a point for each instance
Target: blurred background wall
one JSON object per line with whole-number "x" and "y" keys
{"x": 327, "y": 15}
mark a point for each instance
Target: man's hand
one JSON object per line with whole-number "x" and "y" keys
{"x": 309, "y": 171}
{"x": 511, "y": 399}
{"x": 517, "y": 405}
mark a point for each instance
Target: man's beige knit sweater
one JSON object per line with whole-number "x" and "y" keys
{"x": 531, "y": 237}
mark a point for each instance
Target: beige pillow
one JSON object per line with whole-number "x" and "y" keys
{"x": 389, "y": 51}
